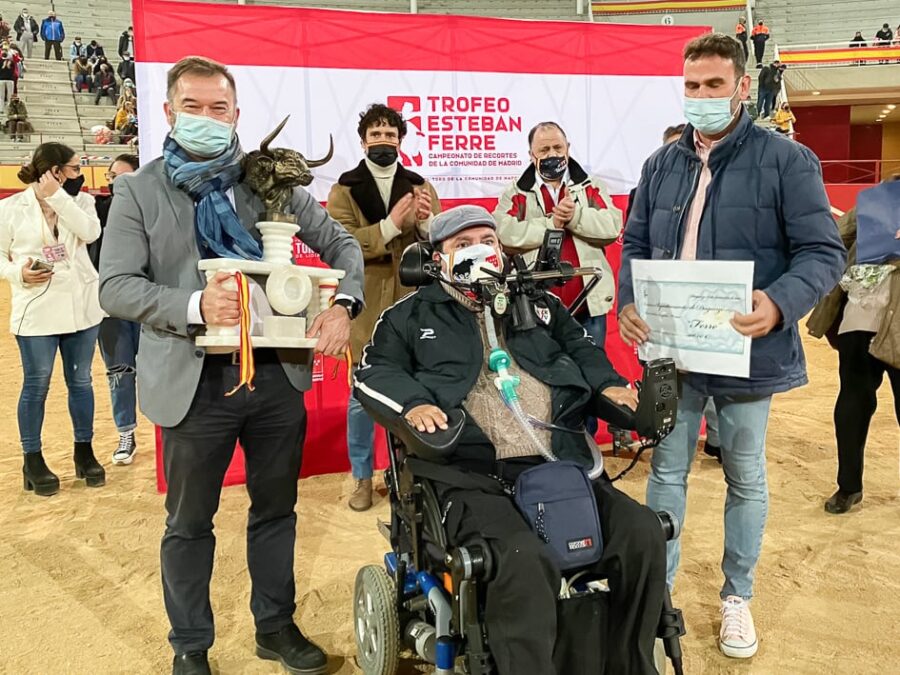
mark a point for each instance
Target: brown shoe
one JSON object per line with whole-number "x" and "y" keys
{"x": 361, "y": 499}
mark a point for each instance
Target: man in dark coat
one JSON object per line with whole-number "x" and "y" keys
{"x": 729, "y": 190}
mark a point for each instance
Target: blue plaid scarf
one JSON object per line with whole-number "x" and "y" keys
{"x": 219, "y": 231}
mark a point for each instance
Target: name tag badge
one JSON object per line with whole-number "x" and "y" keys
{"x": 56, "y": 253}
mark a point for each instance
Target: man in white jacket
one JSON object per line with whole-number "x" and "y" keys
{"x": 555, "y": 192}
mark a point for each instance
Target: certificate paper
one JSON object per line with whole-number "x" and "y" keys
{"x": 688, "y": 306}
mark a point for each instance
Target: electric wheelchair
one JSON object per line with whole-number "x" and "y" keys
{"x": 428, "y": 597}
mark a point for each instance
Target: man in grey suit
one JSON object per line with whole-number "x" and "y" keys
{"x": 192, "y": 204}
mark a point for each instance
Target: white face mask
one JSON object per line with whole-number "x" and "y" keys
{"x": 465, "y": 265}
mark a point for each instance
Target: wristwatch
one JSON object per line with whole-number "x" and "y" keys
{"x": 352, "y": 306}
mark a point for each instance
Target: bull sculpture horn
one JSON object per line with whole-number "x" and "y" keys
{"x": 264, "y": 146}
{"x": 312, "y": 164}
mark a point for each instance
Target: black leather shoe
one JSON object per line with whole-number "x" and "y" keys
{"x": 194, "y": 663}
{"x": 841, "y": 502}
{"x": 298, "y": 655}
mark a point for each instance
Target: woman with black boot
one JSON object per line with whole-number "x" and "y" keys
{"x": 44, "y": 232}
{"x": 861, "y": 319}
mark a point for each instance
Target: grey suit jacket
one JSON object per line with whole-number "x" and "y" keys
{"x": 148, "y": 272}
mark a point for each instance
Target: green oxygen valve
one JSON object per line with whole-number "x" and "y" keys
{"x": 499, "y": 362}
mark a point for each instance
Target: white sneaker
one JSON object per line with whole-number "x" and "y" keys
{"x": 124, "y": 454}
{"x": 737, "y": 637}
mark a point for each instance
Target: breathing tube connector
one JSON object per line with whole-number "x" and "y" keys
{"x": 506, "y": 383}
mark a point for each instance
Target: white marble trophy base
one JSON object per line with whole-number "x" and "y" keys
{"x": 219, "y": 339}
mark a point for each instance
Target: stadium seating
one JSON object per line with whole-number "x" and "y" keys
{"x": 824, "y": 21}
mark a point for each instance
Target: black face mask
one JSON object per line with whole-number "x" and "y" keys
{"x": 382, "y": 155}
{"x": 73, "y": 185}
{"x": 110, "y": 186}
{"x": 553, "y": 168}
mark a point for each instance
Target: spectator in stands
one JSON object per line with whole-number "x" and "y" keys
{"x": 126, "y": 68}
{"x": 784, "y": 225}
{"x": 18, "y": 62}
{"x": 126, "y": 42}
{"x": 4, "y": 29}
{"x": 554, "y": 192}
{"x": 859, "y": 319}
{"x": 54, "y": 309}
{"x": 26, "y": 32}
{"x": 128, "y": 94}
{"x": 768, "y": 90}
{"x": 126, "y": 122}
{"x": 760, "y": 36}
{"x": 857, "y": 42}
{"x": 98, "y": 64}
{"x": 386, "y": 208}
{"x": 77, "y": 49}
{"x": 83, "y": 74}
{"x": 118, "y": 338}
{"x": 7, "y": 78}
{"x": 884, "y": 38}
{"x": 94, "y": 51}
{"x": 740, "y": 32}
{"x": 53, "y": 34}
{"x": 105, "y": 85}
{"x": 17, "y": 125}
{"x": 784, "y": 118}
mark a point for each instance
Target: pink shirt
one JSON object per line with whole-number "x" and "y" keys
{"x": 692, "y": 228}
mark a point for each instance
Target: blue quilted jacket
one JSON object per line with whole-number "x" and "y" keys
{"x": 766, "y": 203}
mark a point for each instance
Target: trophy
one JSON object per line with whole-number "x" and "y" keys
{"x": 293, "y": 295}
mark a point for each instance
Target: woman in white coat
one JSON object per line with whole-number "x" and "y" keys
{"x": 44, "y": 232}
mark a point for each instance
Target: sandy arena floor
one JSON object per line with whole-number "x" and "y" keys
{"x": 80, "y": 574}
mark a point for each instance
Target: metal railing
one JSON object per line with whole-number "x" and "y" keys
{"x": 842, "y": 54}
{"x": 858, "y": 170}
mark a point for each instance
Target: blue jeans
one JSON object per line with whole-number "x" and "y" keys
{"x": 765, "y": 103}
{"x": 360, "y": 439}
{"x": 742, "y": 428}
{"x": 595, "y": 326}
{"x": 712, "y": 423}
{"x": 118, "y": 346}
{"x": 38, "y": 354}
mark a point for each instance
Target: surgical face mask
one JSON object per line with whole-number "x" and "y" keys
{"x": 553, "y": 168}
{"x": 382, "y": 154}
{"x": 710, "y": 115}
{"x": 73, "y": 185}
{"x": 464, "y": 266}
{"x": 202, "y": 136}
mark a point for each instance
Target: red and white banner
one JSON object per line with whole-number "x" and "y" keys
{"x": 469, "y": 87}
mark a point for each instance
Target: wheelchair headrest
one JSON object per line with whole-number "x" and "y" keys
{"x": 415, "y": 264}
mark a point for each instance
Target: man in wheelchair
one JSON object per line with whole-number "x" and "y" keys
{"x": 437, "y": 351}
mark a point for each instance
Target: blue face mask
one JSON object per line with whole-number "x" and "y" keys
{"x": 710, "y": 115}
{"x": 202, "y": 136}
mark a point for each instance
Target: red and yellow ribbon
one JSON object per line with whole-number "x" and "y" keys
{"x": 248, "y": 369}
{"x": 348, "y": 357}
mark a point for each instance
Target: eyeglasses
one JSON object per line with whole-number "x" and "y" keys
{"x": 75, "y": 167}
{"x": 110, "y": 176}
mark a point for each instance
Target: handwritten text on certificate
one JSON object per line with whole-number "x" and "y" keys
{"x": 688, "y": 306}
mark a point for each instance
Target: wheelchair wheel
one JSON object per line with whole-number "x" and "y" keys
{"x": 376, "y": 622}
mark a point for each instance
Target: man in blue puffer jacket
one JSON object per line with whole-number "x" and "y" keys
{"x": 53, "y": 34}
{"x": 728, "y": 190}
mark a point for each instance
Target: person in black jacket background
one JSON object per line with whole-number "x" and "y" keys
{"x": 118, "y": 339}
{"x": 429, "y": 355}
